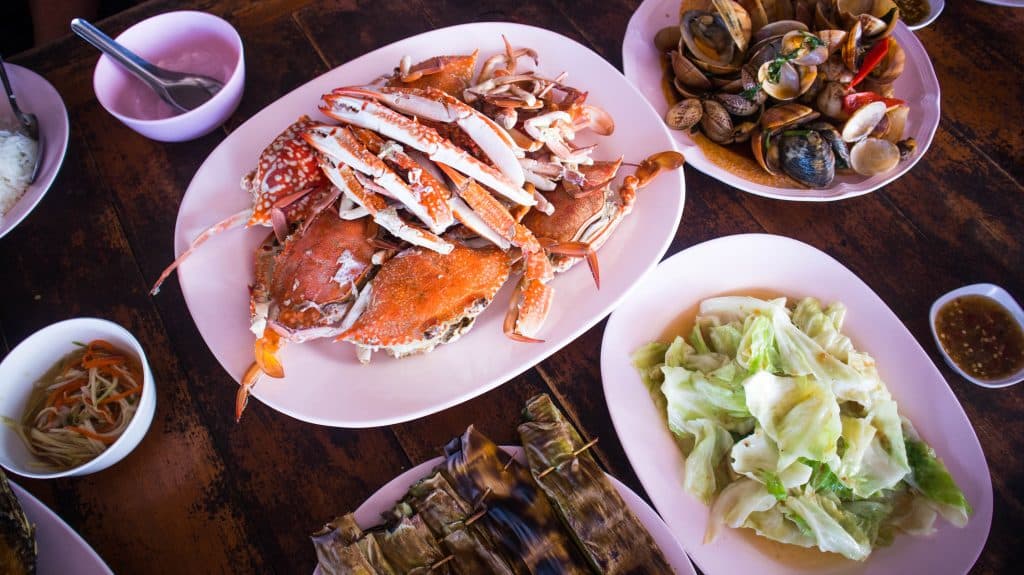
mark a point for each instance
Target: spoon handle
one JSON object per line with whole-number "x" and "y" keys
{"x": 131, "y": 62}
{"x": 9, "y": 90}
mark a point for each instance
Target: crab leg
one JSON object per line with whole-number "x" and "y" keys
{"x": 233, "y": 221}
{"x": 341, "y": 145}
{"x": 438, "y": 106}
{"x": 376, "y": 206}
{"x": 368, "y": 114}
{"x": 460, "y": 209}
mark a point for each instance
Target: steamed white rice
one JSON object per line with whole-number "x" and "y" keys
{"x": 17, "y": 156}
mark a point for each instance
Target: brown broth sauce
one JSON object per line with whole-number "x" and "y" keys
{"x": 738, "y": 158}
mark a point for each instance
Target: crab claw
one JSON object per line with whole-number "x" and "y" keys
{"x": 252, "y": 375}
{"x": 265, "y": 350}
{"x": 657, "y": 163}
{"x": 366, "y": 113}
{"x": 513, "y": 318}
{"x": 577, "y": 250}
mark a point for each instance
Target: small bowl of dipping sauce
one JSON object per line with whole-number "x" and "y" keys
{"x": 917, "y": 14}
{"x": 980, "y": 331}
{"x": 185, "y": 41}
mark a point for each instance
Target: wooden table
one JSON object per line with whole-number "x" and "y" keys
{"x": 202, "y": 494}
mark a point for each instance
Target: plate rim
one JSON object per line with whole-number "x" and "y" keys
{"x": 697, "y": 159}
{"x": 47, "y": 175}
{"x": 514, "y": 369}
{"x": 40, "y": 509}
{"x": 608, "y": 361}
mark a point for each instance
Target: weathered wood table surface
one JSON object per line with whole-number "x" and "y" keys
{"x": 202, "y": 494}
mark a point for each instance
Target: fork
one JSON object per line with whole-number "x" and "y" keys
{"x": 29, "y": 122}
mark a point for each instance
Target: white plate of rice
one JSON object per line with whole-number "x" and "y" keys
{"x": 17, "y": 153}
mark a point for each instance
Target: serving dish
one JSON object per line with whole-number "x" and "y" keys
{"x": 937, "y": 6}
{"x": 761, "y": 263}
{"x": 990, "y": 291}
{"x": 34, "y": 357}
{"x": 37, "y": 96}
{"x": 183, "y": 41}
{"x": 917, "y": 85}
{"x": 62, "y": 551}
{"x": 324, "y": 382}
{"x": 369, "y": 512}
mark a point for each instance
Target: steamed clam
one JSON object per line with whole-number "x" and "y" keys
{"x": 808, "y": 82}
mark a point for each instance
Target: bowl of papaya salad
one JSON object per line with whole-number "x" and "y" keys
{"x": 75, "y": 398}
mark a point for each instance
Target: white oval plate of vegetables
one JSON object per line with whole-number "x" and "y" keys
{"x": 817, "y": 420}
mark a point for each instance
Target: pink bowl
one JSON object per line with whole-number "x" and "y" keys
{"x": 184, "y": 41}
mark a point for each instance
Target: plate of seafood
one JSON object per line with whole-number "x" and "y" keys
{"x": 779, "y": 414}
{"x": 481, "y": 508}
{"x": 787, "y": 99}
{"x": 34, "y": 539}
{"x": 387, "y": 204}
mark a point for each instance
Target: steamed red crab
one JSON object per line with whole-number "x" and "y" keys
{"x": 395, "y": 227}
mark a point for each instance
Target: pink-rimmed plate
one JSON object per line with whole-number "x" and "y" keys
{"x": 61, "y": 550}
{"x": 368, "y": 514}
{"x": 37, "y": 96}
{"x": 765, "y": 263}
{"x": 324, "y": 383}
{"x": 918, "y": 86}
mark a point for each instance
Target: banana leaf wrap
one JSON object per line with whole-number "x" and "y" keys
{"x": 612, "y": 538}
{"x": 445, "y": 513}
{"x": 410, "y": 547}
{"x": 17, "y": 535}
{"x": 518, "y": 516}
{"x": 337, "y": 550}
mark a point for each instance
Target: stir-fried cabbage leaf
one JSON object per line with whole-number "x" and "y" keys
{"x": 788, "y": 430}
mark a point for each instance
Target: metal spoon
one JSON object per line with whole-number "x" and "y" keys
{"x": 29, "y": 122}
{"x": 182, "y": 91}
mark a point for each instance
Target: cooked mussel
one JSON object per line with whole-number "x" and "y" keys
{"x": 807, "y": 157}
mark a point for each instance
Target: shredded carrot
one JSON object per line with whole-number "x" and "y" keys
{"x": 90, "y": 434}
{"x": 121, "y": 396}
{"x": 100, "y": 362}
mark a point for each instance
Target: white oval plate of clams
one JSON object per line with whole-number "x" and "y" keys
{"x": 369, "y": 513}
{"x": 324, "y": 383}
{"x": 917, "y": 85}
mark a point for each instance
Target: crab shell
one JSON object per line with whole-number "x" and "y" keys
{"x": 452, "y": 74}
{"x": 287, "y": 166}
{"x": 304, "y": 288}
{"x": 421, "y": 299}
{"x": 580, "y": 219}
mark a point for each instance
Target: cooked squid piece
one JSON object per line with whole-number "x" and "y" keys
{"x": 613, "y": 539}
{"x": 518, "y": 515}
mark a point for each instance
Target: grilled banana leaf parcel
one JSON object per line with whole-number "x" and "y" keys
{"x": 518, "y": 516}
{"x": 342, "y": 549}
{"x": 17, "y": 536}
{"x": 447, "y": 515}
{"x": 612, "y": 538}
{"x": 410, "y": 548}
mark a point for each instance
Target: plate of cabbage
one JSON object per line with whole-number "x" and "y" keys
{"x": 780, "y": 415}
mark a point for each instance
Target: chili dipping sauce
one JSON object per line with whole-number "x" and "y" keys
{"x": 981, "y": 336}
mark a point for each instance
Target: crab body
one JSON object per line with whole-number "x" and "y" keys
{"x": 420, "y": 299}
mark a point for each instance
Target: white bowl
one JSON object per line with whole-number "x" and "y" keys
{"x": 936, "y": 9}
{"x": 1006, "y": 300}
{"x": 185, "y": 41}
{"x": 34, "y": 357}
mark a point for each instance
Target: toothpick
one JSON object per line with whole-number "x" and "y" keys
{"x": 585, "y": 447}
